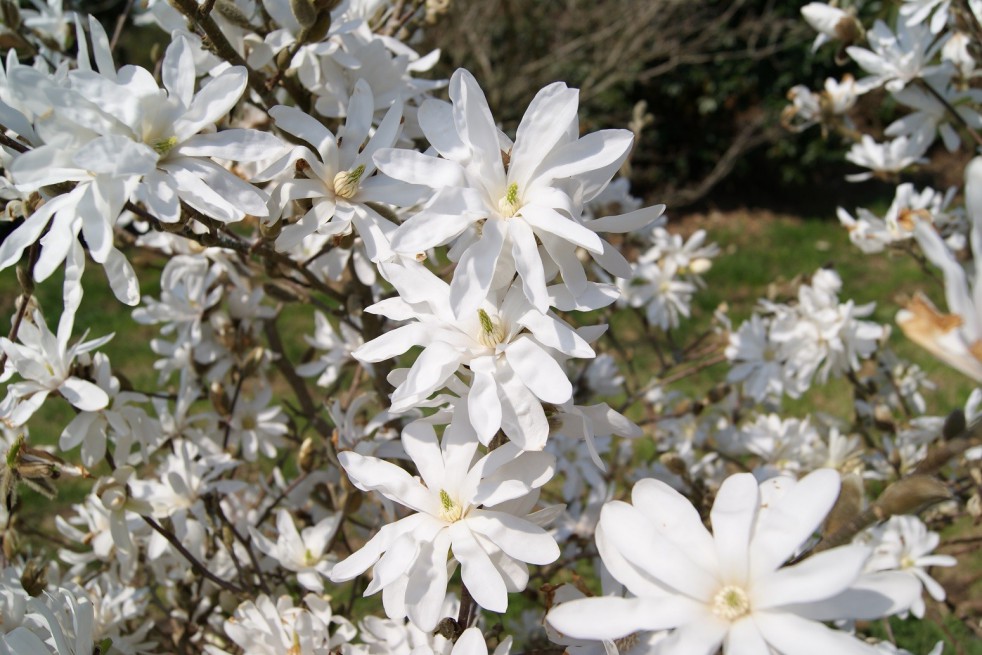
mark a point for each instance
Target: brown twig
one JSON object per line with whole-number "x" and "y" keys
{"x": 192, "y": 560}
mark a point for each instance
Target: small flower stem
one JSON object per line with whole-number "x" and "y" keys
{"x": 192, "y": 560}
{"x": 193, "y": 12}
{"x": 466, "y": 614}
{"x": 951, "y": 110}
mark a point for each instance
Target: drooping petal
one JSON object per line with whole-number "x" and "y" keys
{"x": 538, "y": 371}
{"x": 477, "y": 571}
{"x": 792, "y": 635}
{"x": 791, "y": 520}
{"x": 517, "y": 537}
{"x": 373, "y": 474}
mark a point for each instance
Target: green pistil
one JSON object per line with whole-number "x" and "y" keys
{"x": 512, "y": 195}
{"x": 446, "y": 501}
{"x": 486, "y": 324}
{"x": 163, "y": 146}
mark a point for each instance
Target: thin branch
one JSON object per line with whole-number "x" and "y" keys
{"x": 192, "y": 560}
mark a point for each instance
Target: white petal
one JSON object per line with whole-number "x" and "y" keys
{"x": 817, "y": 578}
{"x": 234, "y": 145}
{"x": 733, "y": 517}
{"x": 475, "y": 270}
{"x": 373, "y": 474}
{"x": 538, "y": 371}
{"x": 83, "y": 394}
{"x": 792, "y": 635}
{"x": 477, "y": 571}
{"x": 606, "y": 617}
{"x": 792, "y": 519}
{"x": 518, "y": 538}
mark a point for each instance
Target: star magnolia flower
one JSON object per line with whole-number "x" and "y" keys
{"x": 729, "y": 588}
{"x": 507, "y": 348}
{"x": 338, "y": 175}
{"x": 896, "y": 59}
{"x": 45, "y": 362}
{"x": 478, "y": 510}
{"x": 302, "y": 552}
{"x": 493, "y": 198}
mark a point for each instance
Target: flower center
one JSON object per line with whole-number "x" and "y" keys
{"x": 509, "y": 204}
{"x": 346, "y": 182}
{"x": 731, "y": 603}
{"x": 451, "y": 511}
{"x": 492, "y": 333}
{"x": 163, "y": 146}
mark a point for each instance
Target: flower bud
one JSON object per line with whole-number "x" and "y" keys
{"x": 909, "y": 496}
{"x": 848, "y": 505}
{"x": 307, "y": 455}
{"x": 231, "y": 12}
{"x": 304, "y": 12}
{"x": 346, "y": 182}
{"x": 674, "y": 463}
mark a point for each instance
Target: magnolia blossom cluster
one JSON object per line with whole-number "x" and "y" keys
{"x": 925, "y": 63}
{"x": 378, "y": 328}
{"x": 784, "y": 347}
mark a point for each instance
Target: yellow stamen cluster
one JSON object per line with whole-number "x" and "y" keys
{"x": 346, "y": 182}
{"x": 451, "y": 511}
{"x": 163, "y": 146}
{"x": 731, "y": 603}
{"x": 509, "y": 204}
{"x": 492, "y": 333}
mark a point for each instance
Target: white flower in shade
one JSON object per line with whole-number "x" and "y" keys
{"x": 337, "y": 346}
{"x": 731, "y": 588}
{"x": 508, "y": 348}
{"x": 873, "y": 234}
{"x": 757, "y": 362}
{"x": 496, "y": 201}
{"x": 338, "y": 175}
{"x": 956, "y": 51}
{"x": 479, "y": 511}
{"x": 917, "y": 11}
{"x": 905, "y": 544}
{"x": 302, "y": 552}
{"x": 896, "y": 59}
{"x": 262, "y": 627}
{"x": 258, "y": 427}
{"x": 932, "y": 115}
{"x": 887, "y": 158}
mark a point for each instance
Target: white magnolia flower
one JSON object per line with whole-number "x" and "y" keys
{"x": 890, "y": 157}
{"x": 932, "y": 115}
{"x": 44, "y": 361}
{"x": 873, "y": 234}
{"x": 338, "y": 175}
{"x": 302, "y": 552}
{"x": 262, "y": 627}
{"x": 508, "y": 349}
{"x": 896, "y": 59}
{"x": 905, "y": 544}
{"x": 479, "y": 511}
{"x": 496, "y": 200}
{"x": 956, "y": 50}
{"x": 337, "y": 346}
{"x": 731, "y": 588}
